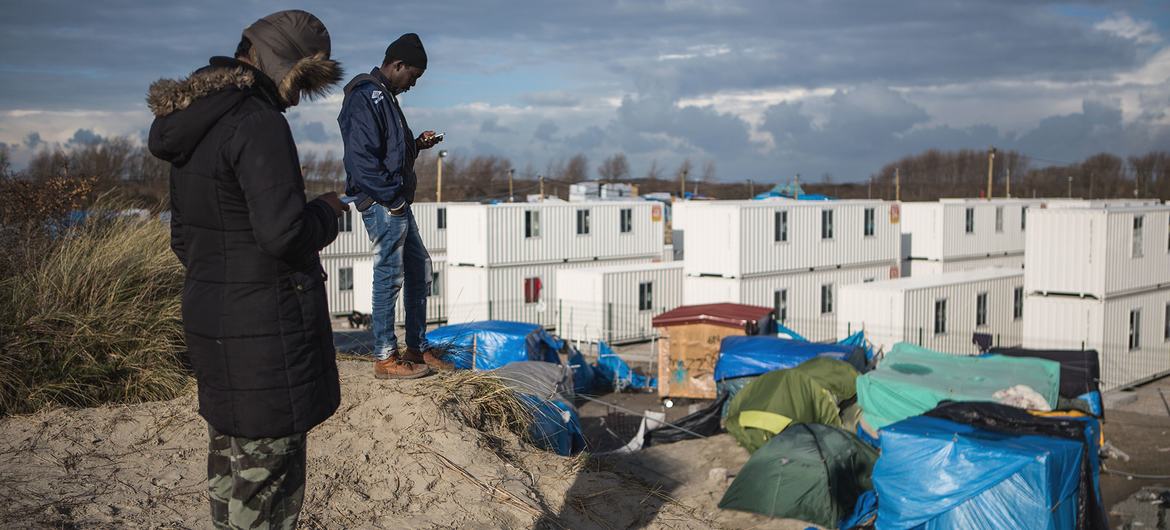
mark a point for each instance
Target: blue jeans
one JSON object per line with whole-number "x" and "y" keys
{"x": 400, "y": 260}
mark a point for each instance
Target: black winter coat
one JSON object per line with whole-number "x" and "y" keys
{"x": 254, "y": 308}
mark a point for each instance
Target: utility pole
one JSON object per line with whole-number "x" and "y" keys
{"x": 897, "y": 184}
{"x": 1008, "y": 190}
{"x": 511, "y": 173}
{"x": 439, "y": 182}
{"x": 1070, "y": 186}
{"x": 682, "y": 184}
{"x": 796, "y": 189}
{"x": 751, "y": 188}
{"x": 990, "y": 168}
{"x": 869, "y": 188}
{"x": 541, "y": 188}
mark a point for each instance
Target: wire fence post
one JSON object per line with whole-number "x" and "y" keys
{"x": 609, "y": 321}
{"x": 920, "y": 336}
{"x": 489, "y": 309}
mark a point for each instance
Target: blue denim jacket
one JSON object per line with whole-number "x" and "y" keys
{"x": 379, "y": 146}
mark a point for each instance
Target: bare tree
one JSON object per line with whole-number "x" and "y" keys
{"x": 709, "y": 171}
{"x": 615, "y": 167}
{"x": 684, "y": 169}
{"x": 654, "y": 173}
{"x": 577, "y": 170}
{"x": 5, "y": 160}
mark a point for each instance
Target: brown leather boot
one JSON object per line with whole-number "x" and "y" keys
{"x": 429, "y": 358}
{"x": 398, "y": 368}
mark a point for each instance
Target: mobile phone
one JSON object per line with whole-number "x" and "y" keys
{"x": 439, "y": 137}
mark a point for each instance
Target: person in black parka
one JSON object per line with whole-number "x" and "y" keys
{"x": 254, "y": 307}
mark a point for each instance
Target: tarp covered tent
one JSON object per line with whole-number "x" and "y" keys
{"x": 813, "y": 392}
{"x": 810, "y": 472}
{"x": 555, "y": 425}
{"x": 747, "y": 356}
{"x": 911, "y": 380}
{"x": 613, "y": 373}
{"x": 1080, "y": 373}
{"x": 494, "y": 343}
{"x": 546, "y": 389}
{"x": 538, "y": 378}
{"x": 938, "y": 474}
{"x": 1071, "y": 426}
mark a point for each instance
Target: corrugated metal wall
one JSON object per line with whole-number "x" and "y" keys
{"x": 938, "y": 230}
{"x": 803, "y": 296}
{"x": 352, "y": 238}
{"x": 1069, "y": 322}
{"x": 605, "y": 303}
{"x": 737, "y": 239}
{"x": 340, "y": 300}
{"x": 1091, "y": 251}
{"x": 930, "y": 268}
{"x": 482, "y": 293}
{"x": 495, "y": 235}
{"x": 363, "y": 291}
{"x": 874, "y": 310}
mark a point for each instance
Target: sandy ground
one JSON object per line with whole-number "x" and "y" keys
{"x": 390, "y": 458}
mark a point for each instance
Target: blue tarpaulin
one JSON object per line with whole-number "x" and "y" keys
{"x": 857, "y": 340}
{"x": 495, "y": 343}
{"x": 555, "y": 425}
{"x": 613, "y": 372}
{"x": 584, "y": 375}
{"x": 745, "y": 356}
{"x": 938, "y": 474}
{"x": 782, "y": 330}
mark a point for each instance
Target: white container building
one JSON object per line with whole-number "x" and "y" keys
{"x": 1131, "y": 333}
{"x": 964, "y": 234}
{"x": 616, "y": 303}
{"x": 929, "y": 267}
{"x": 353, "y": 240}
{"x": 941, "y": 312}
{"x": 547, "y": 232}
{"x": 1098, "y": 252}
{"x": 524, "y": 293}
{"x": 741, "y": 239}
{"x": 340, "y": 282}
{"x": 363, "y": 292}
{"x": 806, "y": 302}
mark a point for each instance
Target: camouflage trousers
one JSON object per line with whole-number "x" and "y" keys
{"x": 255, "y": 483}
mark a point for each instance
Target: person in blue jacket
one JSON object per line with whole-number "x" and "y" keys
{"x": 380, "y": 151}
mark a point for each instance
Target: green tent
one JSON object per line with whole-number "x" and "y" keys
{"x": 810, "y": 393}
{"x": 810, "y": 472}
{"x": 911, "y": 380}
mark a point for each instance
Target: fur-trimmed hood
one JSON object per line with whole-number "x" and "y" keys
{"x": 166, "y": 96}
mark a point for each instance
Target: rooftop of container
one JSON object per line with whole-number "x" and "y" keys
{"x": 938, "y": 280}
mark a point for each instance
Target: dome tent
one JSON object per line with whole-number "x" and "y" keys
{"x": 810, "y": 472}
{"x": 813, "y": 392}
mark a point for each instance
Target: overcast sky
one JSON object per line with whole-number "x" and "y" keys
{"x": 838, "y": 87}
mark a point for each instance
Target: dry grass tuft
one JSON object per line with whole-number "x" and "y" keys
{"x": 484, "y": 402}
{"x": 93, "y": 317}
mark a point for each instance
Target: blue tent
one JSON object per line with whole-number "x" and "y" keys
{"x": 745, "y": 356}
{"x": 936, "y": 474}
{"x": 612, "y": 372}
{"x": 494, "y": 343}
{"x": 555, "y": 425}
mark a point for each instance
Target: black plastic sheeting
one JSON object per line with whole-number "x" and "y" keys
{"x": 1006, "y": 419}
{"x": 1080, "y": 370}
{"x": 704, "y": 421}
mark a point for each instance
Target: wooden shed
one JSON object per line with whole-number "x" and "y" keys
{"x": 689, "y": 347}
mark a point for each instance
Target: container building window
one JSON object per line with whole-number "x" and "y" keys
{"x": 531, "y": 223}
{"x": 582, "y": 222}
{"x": 781, "y": 226}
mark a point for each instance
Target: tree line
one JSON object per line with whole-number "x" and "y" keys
{"x": 127, "y": 168}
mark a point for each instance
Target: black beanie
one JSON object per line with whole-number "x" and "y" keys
{"x": 408, "y": 49}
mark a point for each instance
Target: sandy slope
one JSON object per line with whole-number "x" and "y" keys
{"x": 390, "y": 458}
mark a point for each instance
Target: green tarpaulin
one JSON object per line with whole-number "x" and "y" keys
{"x": 911, "y": 380}
{"x": 810, "y": 472}
{"x": 809, "y": 393}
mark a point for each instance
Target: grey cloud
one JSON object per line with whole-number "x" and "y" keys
{"x": 491, "y": 125}
{"x": 84, "y": 137}
{"x": 313, "y": 131}
{"x": 546, "y": 131}
{"x": 33, "y": 140}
